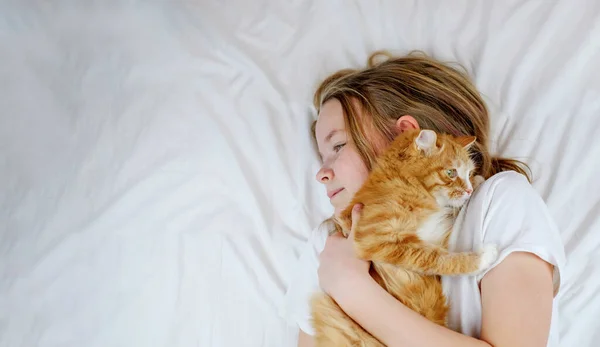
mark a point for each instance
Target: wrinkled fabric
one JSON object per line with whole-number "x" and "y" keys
{"x": 157, "y": 168}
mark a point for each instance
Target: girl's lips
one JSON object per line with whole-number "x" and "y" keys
{"x": 333, "y": 193}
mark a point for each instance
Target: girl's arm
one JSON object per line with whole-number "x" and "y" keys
{"x": 305, "y": 340}
{"x": 517, "y": 301}
{"x": 516, "y": 309}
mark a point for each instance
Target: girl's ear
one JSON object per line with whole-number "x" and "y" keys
{"x": 405, "y": 123}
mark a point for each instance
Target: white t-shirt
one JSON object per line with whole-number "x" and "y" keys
{"x": 505, "y": 210}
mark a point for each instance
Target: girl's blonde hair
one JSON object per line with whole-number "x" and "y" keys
{"x": 438, "y": 96}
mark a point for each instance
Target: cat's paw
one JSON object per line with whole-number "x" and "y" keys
{"x": 488, "y": 256}
{"x": 476, "y": 181}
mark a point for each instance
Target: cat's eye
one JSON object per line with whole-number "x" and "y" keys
{"x": 451, "y": 173}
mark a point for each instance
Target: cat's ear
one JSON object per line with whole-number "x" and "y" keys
{"x": 466, "y": 141}
{"x": 426, "y": 140}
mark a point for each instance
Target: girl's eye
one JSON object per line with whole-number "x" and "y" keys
{"x": 451, "y": 173}
{"x": 337, "y": 148}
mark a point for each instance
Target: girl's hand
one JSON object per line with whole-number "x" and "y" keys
{"x": 339, "y": 267}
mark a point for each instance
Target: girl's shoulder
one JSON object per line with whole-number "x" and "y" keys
{"x": 507, "y": 181}
{"x": 506, "y": 192}
{"x": 508, "y": 212}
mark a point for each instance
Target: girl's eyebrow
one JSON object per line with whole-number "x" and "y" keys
{"x": 331, "y": 133}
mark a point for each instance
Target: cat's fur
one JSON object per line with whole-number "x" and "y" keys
{"x": 410, "y": 203}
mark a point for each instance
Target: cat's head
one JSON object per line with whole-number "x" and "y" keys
{"x": 447, "y": 167}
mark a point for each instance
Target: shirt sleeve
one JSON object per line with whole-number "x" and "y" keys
{"x": 304, "y": 283}
{"x": 518, "y": 220}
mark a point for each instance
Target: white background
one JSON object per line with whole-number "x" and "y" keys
{"x": 157, "y": 172}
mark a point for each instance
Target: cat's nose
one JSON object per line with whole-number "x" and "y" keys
{"x": 469, "y": 191}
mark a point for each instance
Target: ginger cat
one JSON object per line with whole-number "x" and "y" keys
{"x": 410, "y": 202}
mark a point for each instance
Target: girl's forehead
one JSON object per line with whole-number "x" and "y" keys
{"x": 331, "y": 117}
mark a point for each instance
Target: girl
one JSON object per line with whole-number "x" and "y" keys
{"x": 511, "y": 304}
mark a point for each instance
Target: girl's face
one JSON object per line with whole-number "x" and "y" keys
{"x": 343, "y": 170}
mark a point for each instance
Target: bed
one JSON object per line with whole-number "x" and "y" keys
{"x": 158, "y": 173}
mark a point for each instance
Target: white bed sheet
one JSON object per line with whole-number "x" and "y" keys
{"x": 157, "y": 170}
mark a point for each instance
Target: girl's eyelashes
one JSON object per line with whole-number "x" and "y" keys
{"x": 338, "y": 147}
